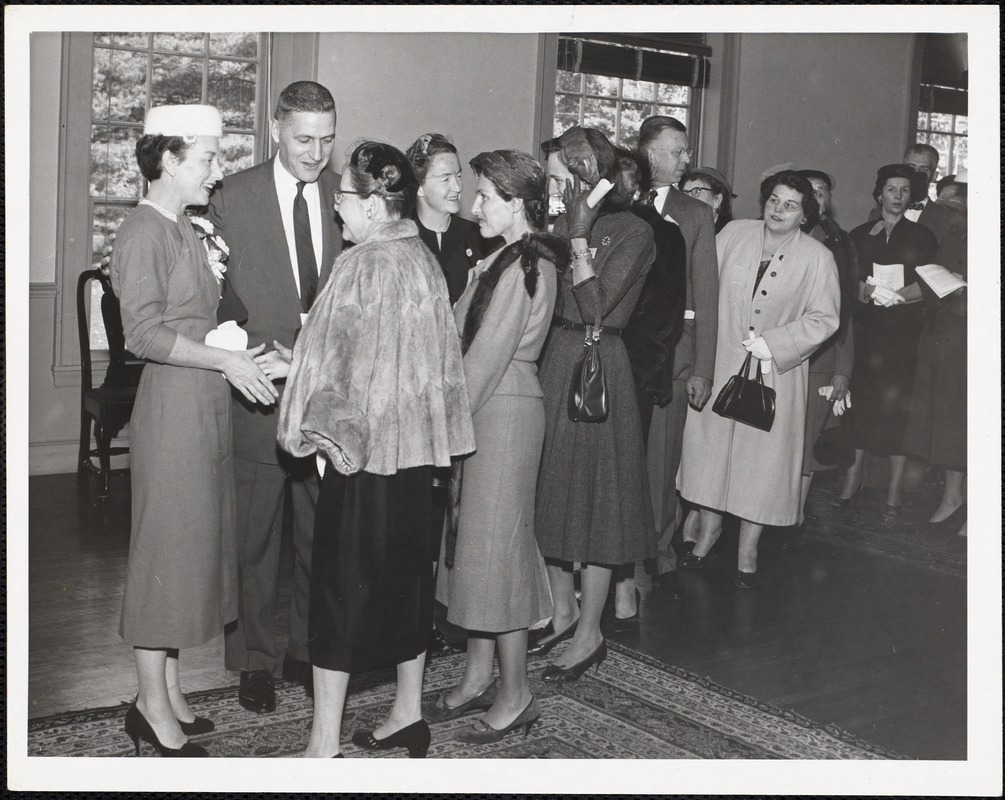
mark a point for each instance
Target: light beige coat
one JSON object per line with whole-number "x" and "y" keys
{"x": 726, "y": 465}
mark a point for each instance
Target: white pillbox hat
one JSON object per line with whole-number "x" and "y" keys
{"x": 184, "y": 120}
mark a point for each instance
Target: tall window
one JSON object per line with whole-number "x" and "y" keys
{"x": 943, "y": 125}
{"x": 612, "y": 82}
{"x": 134, "y": 71}
{"x": 615, "y": 106}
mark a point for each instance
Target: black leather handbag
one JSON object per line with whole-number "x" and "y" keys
{"x": 588, "y": 390}
{"x": 833, "y": 447}
{"x": 745, "y": 400}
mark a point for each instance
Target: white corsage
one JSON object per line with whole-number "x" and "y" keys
{"x": 217, "y": 251}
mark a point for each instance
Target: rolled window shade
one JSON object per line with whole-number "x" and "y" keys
{"x": 941, "y": 100}
{"x": 614, "y": 61}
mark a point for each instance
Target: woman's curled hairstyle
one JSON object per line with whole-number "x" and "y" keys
{"x": 150, "y": 150}
{"x": 793, "y": 180}
{"x": 378, "y": 168}
{"x": 424, "y": 149}
{"x": 515, "y": 174}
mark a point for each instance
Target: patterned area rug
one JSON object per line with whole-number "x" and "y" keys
{"x": 633, "y": 707}
{"x": 861, "y": 527}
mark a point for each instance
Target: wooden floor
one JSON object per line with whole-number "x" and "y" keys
{"x": 868, "y": 643}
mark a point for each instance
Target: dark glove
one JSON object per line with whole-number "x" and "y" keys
{"x": 578, "y": 215}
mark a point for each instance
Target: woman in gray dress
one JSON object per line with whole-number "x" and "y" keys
{"x": 593, "y": 503}
{"x": 492, "y": 577}
{"x": 181, "y": 576}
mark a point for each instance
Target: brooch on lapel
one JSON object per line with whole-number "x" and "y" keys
{"x": 469, "y": 253}
{"x": 605, "y": 241}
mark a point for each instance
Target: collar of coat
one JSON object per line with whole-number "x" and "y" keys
{"x": 391, "y": 230}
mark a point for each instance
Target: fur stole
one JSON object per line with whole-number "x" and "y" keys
{"x": 527, "y": 250}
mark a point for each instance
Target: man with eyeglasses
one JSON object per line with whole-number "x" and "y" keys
{"x": 663, "y": 141}
{"x": 278, "y": 219}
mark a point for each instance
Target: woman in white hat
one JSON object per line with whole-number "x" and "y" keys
{"x": 181, "y": 575}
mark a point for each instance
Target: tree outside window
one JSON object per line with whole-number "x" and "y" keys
{"x": 134, "y": 71}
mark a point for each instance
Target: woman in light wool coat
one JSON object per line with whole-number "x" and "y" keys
{"x": 779, "y": 299}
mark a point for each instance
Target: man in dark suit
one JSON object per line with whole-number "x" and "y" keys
{"x": 663, "y": 141}
{"x": 278, "y": 220}
{"x": 938, "y": 218}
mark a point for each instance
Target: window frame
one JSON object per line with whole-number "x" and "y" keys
{"x": 923, "y": 134}
{"x": 74, "y": 222}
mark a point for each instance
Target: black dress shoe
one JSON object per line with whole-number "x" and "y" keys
{"x": 669, "y": 584}
{"x": 745, "y": 580}
{"x": 540, "y": 644}
{"x": 414, "y": 737}
{"x": 258, "y": 691}
{"x": 138, "y": 728}
{"x": 299, "y": 672}
{"x": 557, "y": 674}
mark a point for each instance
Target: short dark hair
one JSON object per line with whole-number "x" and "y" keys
{"x": 949, "y": 180}
{"x": 379, "y": 169}
{"x": 424, "y": 149}
{"x": 923, "y": 149}
{"x": 654, "y": 126}
{"x": 628, "y": 175}
{"x": 515, "y": 174}
{"x": 150, "y": 150}
{"x": 303, "y": 96}
{"x": 793, "y": 180}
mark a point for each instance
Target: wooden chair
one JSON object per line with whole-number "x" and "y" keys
{"x": 110, "y": 405}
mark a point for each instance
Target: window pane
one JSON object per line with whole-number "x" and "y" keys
{"x": 673, "y": 111}
{"x": 602, "y": 85}
{"x": 242, "y": 45}
{"x": 961, "y": 124}
{"x": 922, "y": 121}
{"x": 176, "y": 80}
{"x": 237, "y": 152}
{"x": 569, "y": 81}
{"x": 671, "y": 93}
{"x": 600, "y": 114}
{"x": 959, "y": 153}
{"x": 942, "y": 122}
{"x": 106, "y": 221}
{"x": 943, "y": 143}
{"x": 141, "y": 40}
{"x": 638, "y": 90}
{"x": 114, "y": 172}
{"x": 120, "y": 85}
{"x": 632, "y": 115}
{"x": 180, "y": 42}
{"x": 232, "y": 90}
{"x": 566, "y": 112}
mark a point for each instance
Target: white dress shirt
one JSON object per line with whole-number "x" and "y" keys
{"x": 286, "y": 191}
{"x": 661, "y": 198}
{"x": 913, "y": 215}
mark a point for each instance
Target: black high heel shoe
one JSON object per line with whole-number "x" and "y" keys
{"x": 138, "y": 728}
{"x": 844, "y": 502}
{"x": 197, "y": 727}
{"x": 414, "y": 737}
{"x": 539, "y": 647}
{"x": 620, "y": 625}
{"x": 557, "y": 674}
{"x": 474, "y": 734}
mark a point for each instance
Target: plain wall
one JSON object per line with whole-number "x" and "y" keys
{"x": 836, "y": 102}
{"x": 44, "y": 79}
{"x": 479, "y": 89}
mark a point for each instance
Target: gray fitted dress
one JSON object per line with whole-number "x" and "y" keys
{"x": 498, "y": 581}
{"x": 181, "y": 579}
{"x": 593, "y": 499}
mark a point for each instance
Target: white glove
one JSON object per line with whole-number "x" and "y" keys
{"x": 825, "y": 392}
{"x": 882, "y": 296}
{"x": 757, "y": 347}
{"x": 228, "y": 336}
{"x": 842, "y": 405}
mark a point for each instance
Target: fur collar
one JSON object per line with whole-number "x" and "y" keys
{"x": 391, "y": 230}
{"x": 527, "y": 250}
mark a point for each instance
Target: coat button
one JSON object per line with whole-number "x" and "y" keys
{"x": 781, "y": 258}
{"x": 757, "y": 311}
{"x": 774, "y": 274}
{"x": 763, "y": 292}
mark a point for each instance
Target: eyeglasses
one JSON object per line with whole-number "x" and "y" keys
{"x": 788, "y": 205}
{"x": 688, "y": 151}
{"x": 341, "y": 193}
{"x": 694, "y": 191}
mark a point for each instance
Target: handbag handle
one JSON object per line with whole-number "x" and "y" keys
{"x": 745, "y": 369}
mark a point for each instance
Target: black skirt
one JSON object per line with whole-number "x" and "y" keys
{"x": 371, "y": 579}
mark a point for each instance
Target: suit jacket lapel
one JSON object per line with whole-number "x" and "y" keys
{"x": 274, "y": 235}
